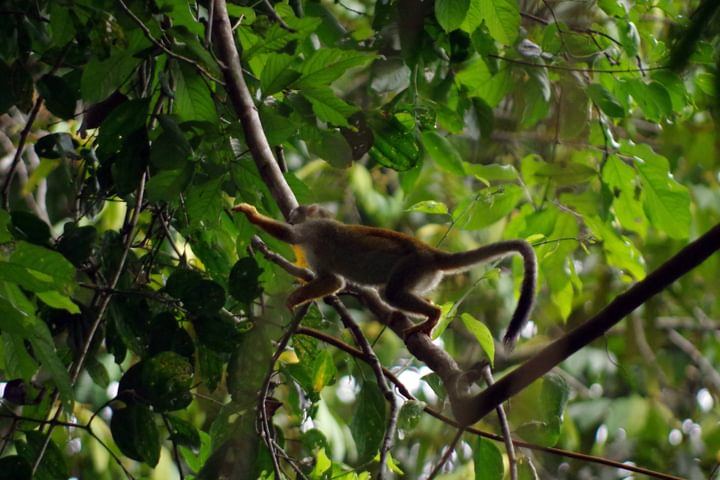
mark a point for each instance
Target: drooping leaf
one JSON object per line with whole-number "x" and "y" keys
{"x": 487, "y": 460}
{"x": 482, "y": 334}
{"x": 368, "y": 421}
{"x": 605, "y": 100}
{"x": 135, "y": 433}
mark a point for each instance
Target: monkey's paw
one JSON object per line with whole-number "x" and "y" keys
{"x": 424, "y": 327}
{"x": 245, "y": 208}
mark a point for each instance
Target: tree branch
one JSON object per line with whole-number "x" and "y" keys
{"x": 244, "y": 106}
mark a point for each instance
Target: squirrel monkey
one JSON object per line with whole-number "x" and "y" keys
{"x": 399, "y": 265}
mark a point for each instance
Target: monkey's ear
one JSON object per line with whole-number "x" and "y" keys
{"x": 317, "y": 211}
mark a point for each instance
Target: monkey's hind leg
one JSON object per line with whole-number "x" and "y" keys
{"x": 322, "y": 286}
{"x": 399, "y": 293}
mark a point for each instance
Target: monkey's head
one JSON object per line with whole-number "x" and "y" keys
{"x": 308, "y": 212}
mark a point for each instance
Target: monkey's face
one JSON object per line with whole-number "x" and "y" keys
{"x": 307, "y": 212}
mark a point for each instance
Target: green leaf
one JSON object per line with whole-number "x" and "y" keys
{"x": 167, "y": 185}
{"x": 134, "y": 431}
{"x": 652, "y": 98}
{"x": 100, "y": 78}
{"x": 327, "y": 106}
{"x": 410, "y": 414}
{"x": 326, "y": 65}
{"x": 220, "y": 332}
{"x": 394, "y": 146}
{"x": 450, "y": 14}
{"x": 77, "y": 243}
{"x": 540, "y": 407}
{"x": 368, "y": 422}
{"x": 192, "y": 97}
{"x": 5, "y": 225}
{"x": 619, "y": 250}
{"x": 57, "y": 300}
{"x": 244, "y": 282}
{"x": 26, "y": 226}
{"x": 59, "y": 97}
{"x": 277, "y": 74}
{"x": 621, "y": 180}
{"x": 121, "y": 123}
{"x": 474, "y": 76}
{"x": 332, "y": 147}
{"x": 322, "y": 465}
{"x": 666, "y": 202}
{"x": 167, "y": 336}
{"x": 482, "y": 334}
{"x": 323, "y": 371}
{"x": 15, "y": 467}
{"x": 183, "y": 432}
{"x": 443, "y": 152}
{"x": 429, "y": 206}
{"x": 492, "y": 172}
{"x": 488, "y": 206}
{"x": 38, "y": 269}
{"x": 502, "y": 18}
{"x": 165, "y": 382}
{"x": 487, "y": 460}
{"x": 52, "y": 466}
{"x": 170, "y": 150}
{"x": 205, "y": 203}
{"x": 605, "y": 100}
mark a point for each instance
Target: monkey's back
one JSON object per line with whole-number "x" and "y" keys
{"x": 361, "y": 254}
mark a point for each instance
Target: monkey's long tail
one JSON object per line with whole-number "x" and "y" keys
{"x": 462, "y": 260}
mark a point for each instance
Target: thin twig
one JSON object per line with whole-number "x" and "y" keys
{"x": 504, "y": 427}
{"x": 265, "y": 389}
{"x": 176, "y": 453}
{"x": 374, "y": 362}
{"x": 448, "y": 453}
{"x": 170, "y": 53}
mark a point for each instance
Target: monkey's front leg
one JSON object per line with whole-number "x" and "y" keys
{"x": 322, "y": 286}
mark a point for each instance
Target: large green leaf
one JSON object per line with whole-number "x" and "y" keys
{"x": 101, "y": 78}
{"x": 450, "y": 14}
{"x": 277, "y": 74}
{"x": 666, "y": 202}
{"x": 325, "y": 65}
{"x": 192, "y": 97}
{"x": 487, "y": 207}
{"x": 327, "y": 106}
{"x": 38, "y": 269}
{"x": 443, "y": 152}
{"x": 502, "y": 18}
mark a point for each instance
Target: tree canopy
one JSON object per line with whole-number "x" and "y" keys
{"x": 143, "y": 322}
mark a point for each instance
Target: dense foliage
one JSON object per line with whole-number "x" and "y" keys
{"x": 138, "y": 321}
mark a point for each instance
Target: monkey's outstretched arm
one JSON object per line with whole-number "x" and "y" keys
{"x": 281, "y": 231}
